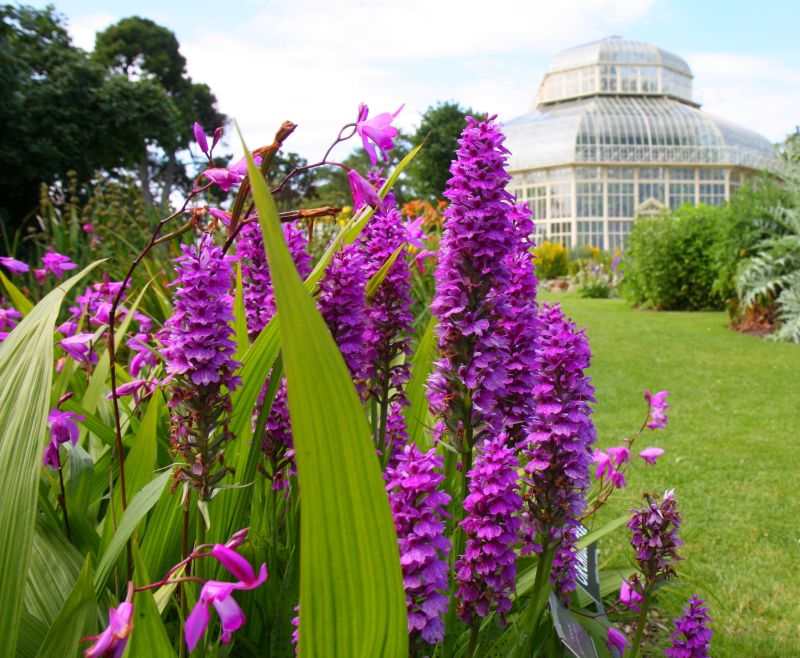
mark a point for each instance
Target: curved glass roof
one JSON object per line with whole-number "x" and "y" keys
{"x": 615, "y": 66}
{"x": 622, "y": 129}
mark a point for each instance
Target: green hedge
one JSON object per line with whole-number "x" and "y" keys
{"x": 670, "y": 262}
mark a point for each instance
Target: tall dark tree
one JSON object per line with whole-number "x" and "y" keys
{"x": 61, "y": 111}
{"x": 440, "y": 129}
{"x": 140, "y": 49}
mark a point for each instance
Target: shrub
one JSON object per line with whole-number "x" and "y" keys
{"x": 669, "y": 263}
{"x": 551, "y": 260}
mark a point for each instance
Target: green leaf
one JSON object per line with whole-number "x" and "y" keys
{"x": 137, "y": 508}
{"x": 377, "y": 279}
{"x": 596, "y": 535}
{"x": 76, "y": 619}
{"x": 149, "y": 637}
{"x": 20, "y": 301}
{"x": 26, "y": 373}
{"x": 351, "y": 590}
{"x": 418, "y": 416}
{"x": 240, "y": 317}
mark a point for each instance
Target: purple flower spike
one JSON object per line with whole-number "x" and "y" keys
{"x": 658, "y": 409}
{"x": 650, "y": 454}
{"x": 111, "y": 642}
{"x": 418, "y": 505}
{"x": 558, "y": 447}
{"x": 655, "y": 538}
{"x": 617, "y": 640}
{"x": 200, "y": 137}
{"x": 487, "y": 570}
{"x": 13, "y": 265}
{"x": 219, "y": 594}
{"x": 378, "y": 129}
{"x": 691, "y": 637}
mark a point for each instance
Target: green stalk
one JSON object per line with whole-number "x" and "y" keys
{"x": 533, "y": 612}
{"x": 474, "y": 631}
{"x": 637, "y": 639}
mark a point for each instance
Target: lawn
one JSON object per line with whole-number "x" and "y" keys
{"x": 733, "y": 457}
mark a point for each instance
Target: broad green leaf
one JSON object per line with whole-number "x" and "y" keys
{"x": 76, "y": 619}
{"x": 161, "y": 546}
{"x": 351, "y": 590}
{"x": 26, "y": 374}
{"x": 418, "y": 416}
{"x": 149, "y": 637}
{"x": 141, "y": 504}
{"x": 596, "y": 535}
{"x": 92, "y": 422}
{"x": 20, "y": 301}
{"x": 377, "y": 279}
{"x": 240, "y": 317}
{"x": 31, "y": 634}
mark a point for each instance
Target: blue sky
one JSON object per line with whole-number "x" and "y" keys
{"x": 313, "y": 61}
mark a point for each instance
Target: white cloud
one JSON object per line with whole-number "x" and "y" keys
{"x": 757, "y": 92}
{"x": 83, "y": 29}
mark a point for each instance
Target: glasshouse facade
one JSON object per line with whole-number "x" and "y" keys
{"x": 615, "y": 134}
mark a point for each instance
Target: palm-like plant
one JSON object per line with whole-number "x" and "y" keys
{"x": 772, "y": 272}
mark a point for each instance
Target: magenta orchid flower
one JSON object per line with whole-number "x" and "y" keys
{"x": 658, "y": 409}
{"x": 605, "y": 469}
{"x": 111, "y": 642}
{"x": 363, "y": 193}
{"x": 619, "y": 455}
{"x": 57, "y": 263}
{"x": 650, "y": 454}
{"x": 62, "y": 429}
{"x": 78, "y": 346}
{"x": 415, "y": 234}
{"x": 616, "y": 640}
{"x": 220, "y": 595}
{"x": 41, "y": 275}
{"x": 13, "y": 265}
{"x": 629, "y": 595}
{"x": 229, "y": 177}
{"x": 378, "y": 129}
{"x": 200, "y": 137}
{"x": 421, "y": 257}
{"x": 136, "y": 388}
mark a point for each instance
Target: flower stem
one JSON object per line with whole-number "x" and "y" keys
{"x": 474, "y": 632}
{"x": 62, "y": 499}
{"x": 637, "y": 639}
{"x": 539, "y": 596}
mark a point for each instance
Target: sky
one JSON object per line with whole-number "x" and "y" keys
{"x": 314, "y": 61}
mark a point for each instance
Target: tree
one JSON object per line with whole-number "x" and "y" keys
{"x": 142, "y": 50}
{"x": 61, "y": 111}
{"x": 440, "y": 129}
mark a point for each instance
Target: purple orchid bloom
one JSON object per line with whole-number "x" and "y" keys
{"x": 57, "y": 263}
{"x": 229, "y": 177}
{"x": 219, "y": 594}
{"x": 650, "y": 454}
{"x": 378, "y": 129}
{"x": 616, "y": 640}
{"x": 200, "y": 137}
{"x": 135, "y": 388}
{"x": 629, "y": 595}
{"x": 605, "y": 469}
{"x": 415, "y": 234}
{"x": 13, "y": 265}
{"x": 363, "y": 193}
{"x": 658, "y": 409}
{"x": 619, "y": 455}
{"x": 88, "y": 228}
{"x": 144, "y": 356}
{"x": 62, "y": 429}
{"x": 41, "y": 275}
{"x": 78, "y": 346}
{"x": 111, "y": 642}
{"x": 421, "y": 257}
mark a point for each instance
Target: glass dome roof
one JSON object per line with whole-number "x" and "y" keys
{"x": 618, "y": 101}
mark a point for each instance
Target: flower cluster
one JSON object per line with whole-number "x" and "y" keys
{"x": 342, "y": 303}
{"x": 558, "y": 446}
{"x": 487, "y": 570}
{"x": 691, "y": 637}
{"x": 9, "y": 317}
{"x": 658, "y": 409}
{"x": 418, "y": 507}
{"x": 198, "y": 351}
{"x": 655, "y": 536}
{"x": 472, "y": 277}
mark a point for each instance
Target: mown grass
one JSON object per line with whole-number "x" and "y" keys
{"x": 733, "y": 457}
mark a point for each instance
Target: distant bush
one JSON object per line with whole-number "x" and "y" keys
{"x": 551, "y": 260}
{"x": 670, "y": 262}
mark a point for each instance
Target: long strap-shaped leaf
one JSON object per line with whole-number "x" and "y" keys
{"x": 26, "y": 373}
{"x": 351, "y": 593}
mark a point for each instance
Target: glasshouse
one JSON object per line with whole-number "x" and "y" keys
{"x": 615, "y": 133}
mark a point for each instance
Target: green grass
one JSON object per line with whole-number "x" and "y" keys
{"x": 733, "y": 457}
